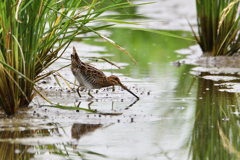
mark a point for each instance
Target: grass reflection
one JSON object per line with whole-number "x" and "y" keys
{"x": 27, "y": 144}
{"x": 216, "y": 129}
{"x": 185, "y": 81}
{"x": 14, "y": 151}
{"x": 155, "y": 49}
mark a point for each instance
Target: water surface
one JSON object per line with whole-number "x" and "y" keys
{"x": 184, "y": 111}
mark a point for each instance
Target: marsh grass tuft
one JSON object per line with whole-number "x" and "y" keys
{"x": 218, "y": 26}
{"x": 33, "y": 35}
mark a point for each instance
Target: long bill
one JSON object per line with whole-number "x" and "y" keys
{"x": 124, "y": 87}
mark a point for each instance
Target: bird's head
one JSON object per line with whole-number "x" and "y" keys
{"x": 114, "y": 80}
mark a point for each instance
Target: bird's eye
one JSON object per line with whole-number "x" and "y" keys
{"x": 116, "y": 78}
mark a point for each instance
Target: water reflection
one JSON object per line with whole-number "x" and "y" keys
{"x": 16, "y": 144}
{"x": 13, "y": 151}
{"x": 157, "y": 49}
{"x": 216, "y": 129}
{"x": 28, "y": 144}
{"x": 156, "y": 79}
{"x": 127, "y": 107}
{"x": 78, "y": 130}
{"x": 132, "y": 104}
{"x": 176, "y": 64}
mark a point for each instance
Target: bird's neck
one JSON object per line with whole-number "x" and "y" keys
{"x": 107, "y": 82}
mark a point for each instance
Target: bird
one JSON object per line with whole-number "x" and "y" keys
{"x": 90, "y": 77}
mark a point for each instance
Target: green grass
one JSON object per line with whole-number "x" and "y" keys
{"x": 218, "y": 26}
{"x": 32, "y": 34}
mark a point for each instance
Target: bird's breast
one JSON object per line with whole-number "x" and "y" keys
{"x": 87, "y": 81}
{"x": 82, "y": 81}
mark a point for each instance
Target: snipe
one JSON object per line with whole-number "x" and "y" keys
{"x": 91, "y": 78}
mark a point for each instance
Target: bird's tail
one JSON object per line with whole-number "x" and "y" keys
{"x": 75, "y": 55}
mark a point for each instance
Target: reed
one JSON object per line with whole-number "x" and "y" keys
{"x": 218, "y": 26}
{"x": 33, "y": 35}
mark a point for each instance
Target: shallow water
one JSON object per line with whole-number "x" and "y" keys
{"x": 184, "y": 112}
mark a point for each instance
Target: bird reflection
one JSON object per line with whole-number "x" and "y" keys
{"x": 89, "y": 104}
{"x": 78, "y": 130}
{"x": 131, "y": 104}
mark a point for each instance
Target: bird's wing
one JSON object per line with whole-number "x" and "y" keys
{"x": 92, "y": 74}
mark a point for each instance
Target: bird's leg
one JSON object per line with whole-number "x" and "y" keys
{"x": 78, "y": 104}
{"x": 89, "y": 105}
{"x": 90, "y": 93}
{"x": 78, "y": 92}
{"x": 113, "y": 88}
{"x": 112, "y": 105}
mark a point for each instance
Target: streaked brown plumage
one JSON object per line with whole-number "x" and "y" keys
{"x": 91, "y": 78}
